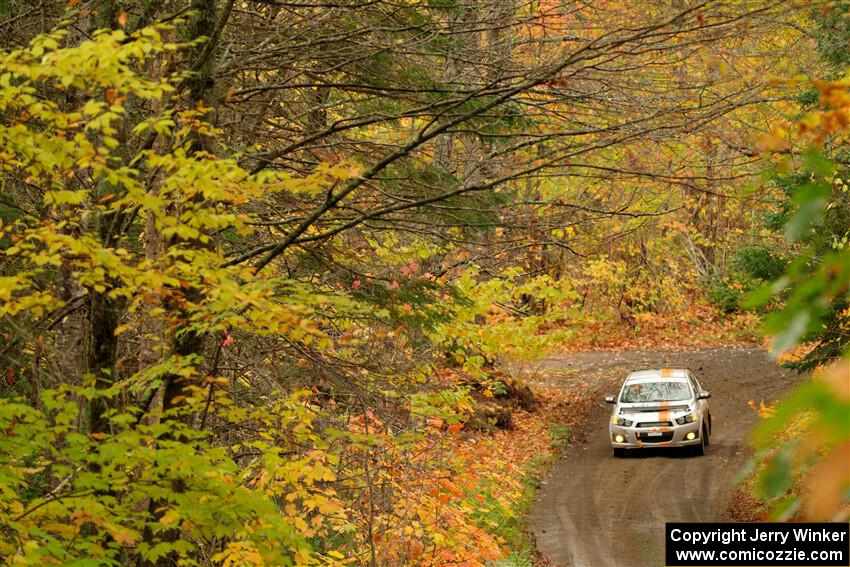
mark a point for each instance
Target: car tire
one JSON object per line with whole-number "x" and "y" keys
{"x": 699, "y": 450}
{"x": 619, "y": 452}
{"x": 706, "y": 428}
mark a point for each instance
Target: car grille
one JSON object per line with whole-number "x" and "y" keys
{"x": 656, "y": 408}
{"x": 666, "y": 436}
{"x": 655, "y": 424}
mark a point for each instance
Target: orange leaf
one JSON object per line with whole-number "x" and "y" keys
{"x": 122, "y": 18}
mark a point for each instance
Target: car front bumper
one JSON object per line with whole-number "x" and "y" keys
{"x": 646, "y": 437}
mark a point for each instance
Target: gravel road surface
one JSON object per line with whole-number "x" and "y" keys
{"x": 594, "y": 510}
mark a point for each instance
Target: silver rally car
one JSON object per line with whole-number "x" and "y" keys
{"x": 666, "y": 407}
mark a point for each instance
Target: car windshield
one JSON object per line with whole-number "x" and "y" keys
{"x": 655, "y": 392}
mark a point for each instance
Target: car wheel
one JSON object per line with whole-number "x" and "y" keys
{"x": 619, "y": 452}
{"x": 699, "y": 450}
{"x": 707, "y": 432}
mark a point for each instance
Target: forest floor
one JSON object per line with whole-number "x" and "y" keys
{"x": 598, "y": 511}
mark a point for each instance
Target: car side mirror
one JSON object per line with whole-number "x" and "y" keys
{"x": 609, "y": 399}
{"x": 704, "y": 395}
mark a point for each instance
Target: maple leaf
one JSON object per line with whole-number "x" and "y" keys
{"x": 410, "y": 269}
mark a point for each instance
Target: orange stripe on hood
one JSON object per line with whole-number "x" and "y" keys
{"x": 664, "y": 415}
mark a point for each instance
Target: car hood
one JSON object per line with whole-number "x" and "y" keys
{"x": 651, "y": 407}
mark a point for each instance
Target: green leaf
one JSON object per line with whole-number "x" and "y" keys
{"x": 815, "y": 162}
{"x": 776, "y": 477}
{"x": 793, "y": 332}
{"x": 803, "y": 219}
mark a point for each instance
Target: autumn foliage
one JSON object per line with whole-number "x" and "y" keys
{"x": 274, "y": 279}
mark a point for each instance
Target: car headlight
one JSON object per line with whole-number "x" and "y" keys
{"x": 617, "y": 420}
{"x": 687, "y": 418}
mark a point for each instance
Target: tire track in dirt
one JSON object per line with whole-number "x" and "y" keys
{"x": 594, "y": 510}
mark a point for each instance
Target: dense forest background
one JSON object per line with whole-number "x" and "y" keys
{"x": 271, "y": 271}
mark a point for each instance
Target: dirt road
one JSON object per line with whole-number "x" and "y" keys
{"x": 595, "y": 510}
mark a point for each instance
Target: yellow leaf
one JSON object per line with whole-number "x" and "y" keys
{"x": 169, "y": 518}
{"x": 121, "y": 535}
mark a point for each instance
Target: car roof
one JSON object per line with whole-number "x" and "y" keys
{"x": 656, "y": 374}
